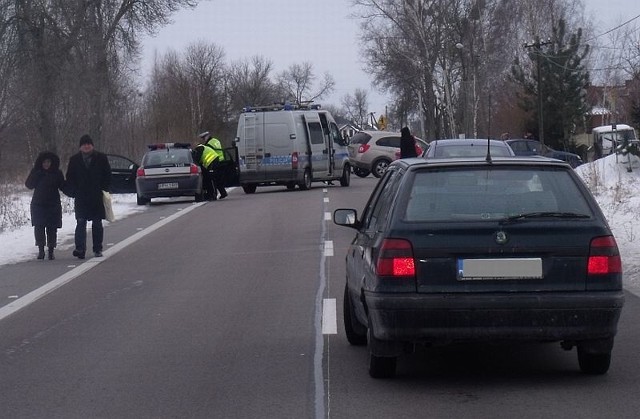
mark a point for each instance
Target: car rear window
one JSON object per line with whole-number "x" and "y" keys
{"x": 359, "y": 138}
{"x": 470, "y": 151}
{"x": 167, "y": 157}
{"x": 492, "y": 193}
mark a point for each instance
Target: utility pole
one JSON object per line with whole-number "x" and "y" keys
{"x": 536, "y": 45}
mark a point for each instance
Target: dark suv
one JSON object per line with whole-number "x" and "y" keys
{"x": 481, "y": 249}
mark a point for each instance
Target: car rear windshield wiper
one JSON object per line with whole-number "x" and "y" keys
{"x": 542, "y": 214}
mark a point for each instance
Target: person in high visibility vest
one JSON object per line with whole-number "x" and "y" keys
{"x": 211, "y": 156}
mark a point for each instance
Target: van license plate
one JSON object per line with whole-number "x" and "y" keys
{"x": 172, "y": 185}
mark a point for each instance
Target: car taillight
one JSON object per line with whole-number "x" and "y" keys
{"x": 194, "y": 169}
{"x": 396, "y": 258}
{"x": 363, "y": 148}
{"x": 140, "y": 172}
{"x": 604, "y": 257}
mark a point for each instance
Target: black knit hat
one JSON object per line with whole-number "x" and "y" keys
{"x": 85, "y": 139}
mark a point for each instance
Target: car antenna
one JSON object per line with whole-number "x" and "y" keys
{"x": 488, "y": 149}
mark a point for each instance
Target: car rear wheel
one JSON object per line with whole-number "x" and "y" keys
{"x": 142, "y": 200}
{"x": 356, "y": 332}
{"x": 306, "y": 180}
{"x": 595, "y": 364}
{"x": 379, "y": 167}
{"x": 249, "y": 188}
{"x": 382, "y": 366}
{"x": 345, "y": 179}
{"x": 361, "y": 172}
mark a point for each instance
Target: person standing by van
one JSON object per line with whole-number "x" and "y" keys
{"x": 46, "y": 179}
{"x": 88, "y": 174}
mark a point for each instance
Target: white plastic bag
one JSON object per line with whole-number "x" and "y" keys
{"x": 108, "y": 207}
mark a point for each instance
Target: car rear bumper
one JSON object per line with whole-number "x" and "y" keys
{"x": 186, "y": 186}
{"x": 494, "y": 317}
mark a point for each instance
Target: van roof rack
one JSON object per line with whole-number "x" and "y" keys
{"x": 283, "y": 106}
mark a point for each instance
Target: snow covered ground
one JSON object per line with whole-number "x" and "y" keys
{"x": 616, "y": 189}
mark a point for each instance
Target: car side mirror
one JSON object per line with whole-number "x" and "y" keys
{"x": 346, "y": 217}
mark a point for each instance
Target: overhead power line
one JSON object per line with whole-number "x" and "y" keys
{"x": 614, "y": 29}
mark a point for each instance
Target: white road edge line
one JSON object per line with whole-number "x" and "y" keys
{"x": 36, "y": 294}
{"x": 329, "y": 317}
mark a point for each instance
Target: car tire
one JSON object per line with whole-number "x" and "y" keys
{"x": 345, "y": 179}
{"x": 356, "y": 331}
{"x": 594, "y": 364}
{"x": 306, "y": 180}
{"x": 140, "y": 200}
{"x": 379, "y": 167}
{"x": 361, "y": 172}
{"x": 382, "y": 366}
{"x": 249, "y": 188}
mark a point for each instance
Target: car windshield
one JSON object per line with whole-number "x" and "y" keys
{"x": 494, "y": 193}
{"x": 167, "y": 157}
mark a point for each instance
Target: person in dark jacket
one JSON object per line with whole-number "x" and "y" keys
{"x": 46, "y": 179}
{"x": 88, "y": 174}
{"x": 407, "y": 144}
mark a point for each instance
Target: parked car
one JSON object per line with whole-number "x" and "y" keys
{"x": 467, "y": 148}
{"x": 527, "y": 147}
{"x": 168, "y": 170}
{"x": 123, "y": 174}
{"x": 372, "y": 151}
{"x": 481, "y": 249}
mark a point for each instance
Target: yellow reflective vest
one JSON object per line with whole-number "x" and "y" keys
{"x": 208, "y": 155}
{"x": 214, "y": 144}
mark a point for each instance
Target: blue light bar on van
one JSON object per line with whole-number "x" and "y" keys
{"x": 282, "y": 107}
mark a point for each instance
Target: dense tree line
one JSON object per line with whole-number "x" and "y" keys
{"x": 451, "y": 66}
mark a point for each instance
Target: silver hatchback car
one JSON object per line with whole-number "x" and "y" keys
{"x": 373, "y": 151}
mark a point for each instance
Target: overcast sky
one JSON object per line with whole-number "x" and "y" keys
{"x": 294, "y": 31}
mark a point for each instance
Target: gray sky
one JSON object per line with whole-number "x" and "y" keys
{"x": 294, "y": 31}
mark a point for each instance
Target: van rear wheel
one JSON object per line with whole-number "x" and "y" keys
{"x": 306, "y": 180}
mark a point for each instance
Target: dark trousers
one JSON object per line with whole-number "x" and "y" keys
{"x": 97, "y": 234}
{"x": 217, "y": 176}
{"x": 46, "y": 236}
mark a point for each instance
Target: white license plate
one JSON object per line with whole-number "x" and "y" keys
{"x": 507, "y": 268}
{"x": 172, "y": 185}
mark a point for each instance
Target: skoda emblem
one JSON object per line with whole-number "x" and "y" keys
{"x": 501, "y": 237}
{"x": 166, "y": 170}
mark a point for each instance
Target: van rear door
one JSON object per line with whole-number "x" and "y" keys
{"x": 320, "y": 151}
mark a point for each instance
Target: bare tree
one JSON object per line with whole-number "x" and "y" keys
{"x": 357, "y": 106}
{"x": 297, "y": 82}
{"x": 250, "y": 83}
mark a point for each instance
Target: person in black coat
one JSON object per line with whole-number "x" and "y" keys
{"x": 407, "y": 144}
{"x": 88, "y": 174}
{"x": 46, "y": 179}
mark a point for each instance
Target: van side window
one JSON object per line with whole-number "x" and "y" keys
{"x": 315, "y": 133}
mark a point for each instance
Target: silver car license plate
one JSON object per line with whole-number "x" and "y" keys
{"x": 171, "y": 185}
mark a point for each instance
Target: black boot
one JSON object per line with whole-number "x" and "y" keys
{"x": 51, "y": 255}
{"x": 40, "y": 252}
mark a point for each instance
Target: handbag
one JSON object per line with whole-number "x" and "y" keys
{"x": 108, "y": 207}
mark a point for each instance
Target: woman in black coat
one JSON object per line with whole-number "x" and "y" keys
{"x": 407, "y": 144}
{"x": 46, "y": 179}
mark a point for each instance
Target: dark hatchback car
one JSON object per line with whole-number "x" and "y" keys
{"x": 528, "y": 147}
{"x": 481, "y": 250}
{"x": 123, "y": 174}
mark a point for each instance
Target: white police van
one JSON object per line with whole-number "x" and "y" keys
{"x": 290, "y": 145}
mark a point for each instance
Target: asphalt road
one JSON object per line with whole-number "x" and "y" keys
{"x": 224, "y": 310}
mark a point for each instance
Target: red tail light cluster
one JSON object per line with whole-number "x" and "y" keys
{"x": 604, "y": 257}
{"x": 363, "y": 148}
{"x": 396, "y": 258}
{"x": 140, "y": 172}
{"x": 294, "y": 160}
{"x": 194, "y": 169}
